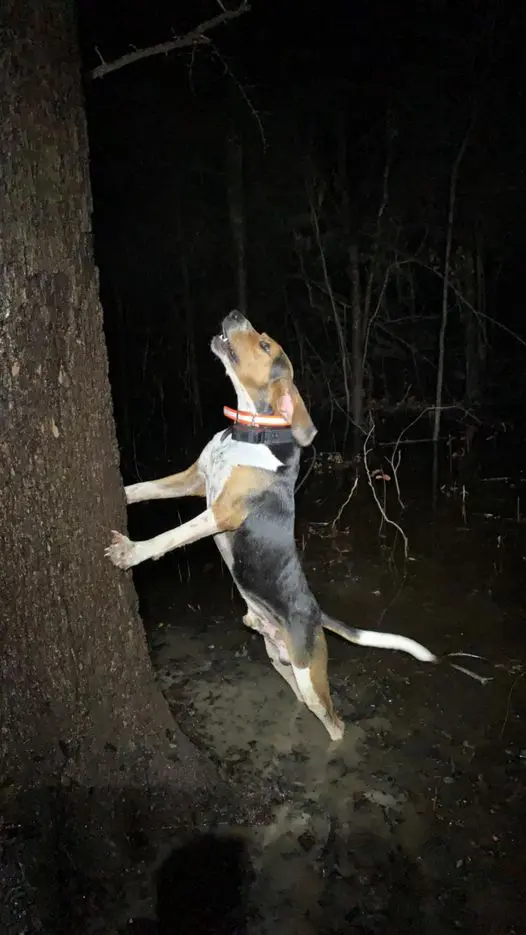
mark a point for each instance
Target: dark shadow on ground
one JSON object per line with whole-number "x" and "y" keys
{"x": 83, "y": 861}
{"x": 201, "y": 887}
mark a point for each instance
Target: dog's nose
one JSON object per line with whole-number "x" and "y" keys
{"x": 235, "y": 318}
{"x": 236, "y": 321}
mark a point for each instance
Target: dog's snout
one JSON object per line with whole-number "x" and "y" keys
{"x": 236, "y": 321}
{"x": 236, "y": 316}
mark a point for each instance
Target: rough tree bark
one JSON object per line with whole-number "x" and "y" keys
{"x": 79, "y": 706}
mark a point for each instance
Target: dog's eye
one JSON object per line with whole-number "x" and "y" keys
{"x": 265, "y": 346}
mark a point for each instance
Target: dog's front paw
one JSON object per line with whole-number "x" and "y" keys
{"x": 133, "y": 493}
{"x": 122, "y": 551}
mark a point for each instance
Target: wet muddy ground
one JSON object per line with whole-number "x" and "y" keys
{"x": 414, "y": 823}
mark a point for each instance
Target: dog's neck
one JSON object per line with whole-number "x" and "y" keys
{"x": 259, "y": 428}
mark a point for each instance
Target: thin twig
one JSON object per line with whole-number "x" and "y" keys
{"x": 243, "y": 93}
{"x": 340, "y": 511}
{"x": 419, "y": 416}
{"x": 508, "y": 704}
{"x": 196, "y": 36}
{"x": 391, "y": 522}
{"x": 394, "y": 467}
{"x": 466, "y": 302}
{"x": 483, "y": 679}
{"x": 338, "y": 516}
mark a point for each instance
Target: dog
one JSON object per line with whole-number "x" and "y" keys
{"x": 247, "y": 474}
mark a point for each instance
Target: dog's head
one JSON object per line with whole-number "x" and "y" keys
{"x": 262, "y": 375}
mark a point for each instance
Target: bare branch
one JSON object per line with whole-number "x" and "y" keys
{"x": 466, "y": 303}
{"x": 243, "y": 93}
{"x": 195, "y": 37}
{"x": 370, "y": 481}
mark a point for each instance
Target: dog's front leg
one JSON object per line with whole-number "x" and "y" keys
{"x": 124, "y": 553}
{"x": 189, "y": 483}
{"x": 227, "y": 512}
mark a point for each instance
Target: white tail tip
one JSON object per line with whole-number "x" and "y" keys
{"x": 379, "y": 640}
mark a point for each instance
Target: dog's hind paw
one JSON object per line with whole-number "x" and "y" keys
{"x": 122, "y": 551}
{"x": 336, "y": 729}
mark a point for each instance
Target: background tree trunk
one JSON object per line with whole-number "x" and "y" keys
{"x": 78, "y": 700}
{"x": 357, "y": 349}
{"x": 473, "y": 327}
{"x": 236, "y": 208}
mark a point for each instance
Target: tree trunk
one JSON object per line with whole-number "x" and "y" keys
{"x": 473, "y": 329}
{"x": 445, "y": 306}
{"x": 236, "y": 207}
{"x": 192, "y": 373}
{"x": 357, "y": 348}
{"x": 348, "y": 226}
{"x": 470, "y": 331}
{"x": 78, "y": 700}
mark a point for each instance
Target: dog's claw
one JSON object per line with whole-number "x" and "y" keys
{"x": 121, "y": 551}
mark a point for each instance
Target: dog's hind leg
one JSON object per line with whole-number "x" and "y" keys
{"x": 286, "y": 671}
{"x": 189, "y": 483}
{"x": 313, "y": 684}
{"x": 276, "y": 649}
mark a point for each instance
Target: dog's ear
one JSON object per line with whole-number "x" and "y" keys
{"x": 291, "y": 406}
{"x": 287, "y": 402}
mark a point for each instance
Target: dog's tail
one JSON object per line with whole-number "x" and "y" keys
{"x": 374, "y": 638}
{"x": 379, "y": 640}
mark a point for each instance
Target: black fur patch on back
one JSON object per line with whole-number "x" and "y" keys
{"x": 267, "y": 565}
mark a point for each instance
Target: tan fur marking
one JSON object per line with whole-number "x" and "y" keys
{"x": 299, "y": 661}
{"x": 254, "y": 364}
{"x": 318, "y": 674}
{"x": 189, "y": 483}
{"x": 254, "y": 369}
{"x": 302, "y": 427}
{"x": 285, "y": 671}
{"x": 233, "y": 505}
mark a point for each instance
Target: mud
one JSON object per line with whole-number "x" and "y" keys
{"x": 414, "y": 822}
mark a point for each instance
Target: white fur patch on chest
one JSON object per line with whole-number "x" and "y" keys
{"x": 221, "y": 455}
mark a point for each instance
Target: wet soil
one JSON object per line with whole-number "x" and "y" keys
{"x": 414, "y": 822}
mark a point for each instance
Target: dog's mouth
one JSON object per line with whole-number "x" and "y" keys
{"x": 223, "y": 349}
{"x": 234, "y": 323}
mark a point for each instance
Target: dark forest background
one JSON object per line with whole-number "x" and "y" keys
{"x": 308, "y": 166}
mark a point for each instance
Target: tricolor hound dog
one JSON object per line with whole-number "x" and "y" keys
{"x": 248, "y": 474}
